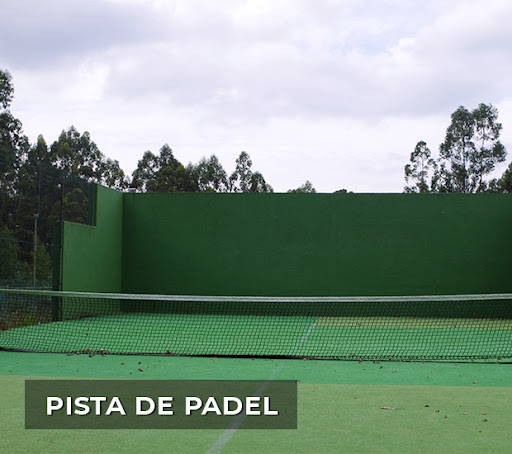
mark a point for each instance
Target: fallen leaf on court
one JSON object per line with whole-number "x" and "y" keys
{"x": 387, "y": 408}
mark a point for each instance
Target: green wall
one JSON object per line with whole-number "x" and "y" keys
{"x": 311, "y": 244}
{"x": 92, "y": 255}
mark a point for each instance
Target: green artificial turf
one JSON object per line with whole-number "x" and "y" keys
{"x": 344, "y": 406}
{"x": 332, "y": 418}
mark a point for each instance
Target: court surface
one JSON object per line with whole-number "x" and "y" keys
{"x": 344, "y": 406}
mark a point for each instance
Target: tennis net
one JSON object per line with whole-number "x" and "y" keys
{"x": 415, "y": 328}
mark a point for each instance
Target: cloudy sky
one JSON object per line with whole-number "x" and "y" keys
{"x": 337, "y": 92}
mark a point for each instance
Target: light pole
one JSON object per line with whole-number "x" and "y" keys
{"x": 35, "y": 247}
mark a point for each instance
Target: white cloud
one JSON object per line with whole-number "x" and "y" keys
{"x": 337, "y": 92}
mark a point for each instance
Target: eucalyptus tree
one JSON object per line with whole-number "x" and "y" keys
{"x": 421, "y": 171}
{"x": 307, "y": 187}
{"x": 211, "y": 176}
{"x": 163, "y": 173}
{"x": 77, "y": 154}
{"x": 471, "y": 149}
{"x": 243, "y": 179}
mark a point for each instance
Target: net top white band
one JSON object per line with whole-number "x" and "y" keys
{"x": 266, "y": 299}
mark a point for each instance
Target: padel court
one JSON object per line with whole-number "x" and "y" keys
{"x": 392, "y": 311}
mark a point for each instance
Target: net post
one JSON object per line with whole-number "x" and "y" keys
{"x": 56, "y": 309}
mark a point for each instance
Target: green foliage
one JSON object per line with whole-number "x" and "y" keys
{"x": 163, "y": 173}
{"x": 456, "y": 151}
{"x": 243, "y": 179}
{"x": 76, "y": 154}
{"x": 307, "y": 187}
{"x": 211, "y": 176}
{"x": 74, "y": 206}
{"x": 6, "y": 89}
{"x": 240, "y": 179}
{"x": 489, "y": 151}
{"x": 13, "y": 145}
{"x": 9, "y": 256}
{"x": 471, "y": 149}
{"x": 422, "y": 170}
{"x": 44, "y": 265}
{"x": 258, "y": 183}
{"x": 112, "y": 175}
{"x": 503, "y": 184}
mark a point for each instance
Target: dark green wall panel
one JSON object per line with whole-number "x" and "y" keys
{"x": 92, "y": 255}
{"x": 316, "y": 244}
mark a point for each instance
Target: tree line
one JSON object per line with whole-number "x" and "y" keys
{"x": 470, "y": 152}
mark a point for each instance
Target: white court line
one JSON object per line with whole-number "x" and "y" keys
{"x": 224, "y": 438}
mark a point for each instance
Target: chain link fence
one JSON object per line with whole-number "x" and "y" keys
{"x": 31, "y": 210}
